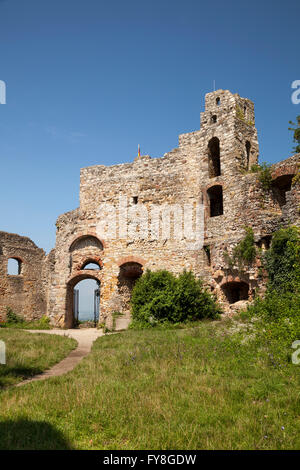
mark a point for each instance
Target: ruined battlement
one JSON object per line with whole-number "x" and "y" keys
{"x": 227, "y": 134}
{"x": 222, "y": 105}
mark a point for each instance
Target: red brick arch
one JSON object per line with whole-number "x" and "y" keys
{"x": 92, "y": 259}
{"x": 230, "y": 278}
{"x": 77, "y": 277}
{"x": 285, "y": 170}
{"x": 131, "y": 259}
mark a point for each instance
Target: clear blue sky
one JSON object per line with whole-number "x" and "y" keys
{"x": 88, "y": 80}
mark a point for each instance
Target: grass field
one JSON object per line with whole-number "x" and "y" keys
{"x": 203, "y": 388}
{"x": 29, "y": 354}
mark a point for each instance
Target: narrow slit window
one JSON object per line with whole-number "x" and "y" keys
{"x": 214, "y": 162}
{"x": 207, "y": 254}
{"x": 248, "y": 148}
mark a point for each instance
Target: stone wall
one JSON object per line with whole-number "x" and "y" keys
{"x": 24, "y": 292}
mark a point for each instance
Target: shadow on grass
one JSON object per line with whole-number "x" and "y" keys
{"x": 31, "y": 435}
{"x": 12, "y": 375}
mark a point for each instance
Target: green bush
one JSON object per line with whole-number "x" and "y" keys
{"x": 244, "y": 252}
{"x": 43, "y": 323}
{"x": 264, "y": 175}
{"x": 192, "y": 301}
{"x": 279, "y": 311}
{"x": 12, "y": 317}
{"x": 17, "y": 322}
{"x": 282, "y": 260}
{"x": 161, "y": 297}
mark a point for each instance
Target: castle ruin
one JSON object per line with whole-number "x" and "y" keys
{"x": 209, "y": 169}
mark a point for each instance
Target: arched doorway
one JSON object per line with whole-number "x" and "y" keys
{"x": 83, "y": 301}
{"x": 235, "y": 291}
{"x": 128, "y": 275}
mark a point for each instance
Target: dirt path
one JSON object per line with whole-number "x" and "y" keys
{"x": 84, "y": 338}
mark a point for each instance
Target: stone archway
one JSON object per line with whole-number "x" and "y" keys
{"x": 235, "y": 291}
{"x": 69, "y": 312}
{"x": 129, "y": 273}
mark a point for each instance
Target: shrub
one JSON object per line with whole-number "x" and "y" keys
{"x": 282, "y": 260}
{"x": 279, "y": 310}
{"x": 152, "y": 296}
{"x": 264, "y": 175}
{"x": 12, "y": 317}
{"x": 244, "y": 252}
{"x": 191, "y": 300}
{"x": 159, "y": 297}
{"x": 42, "y": 323}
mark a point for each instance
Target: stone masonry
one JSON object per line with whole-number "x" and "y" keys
{"x": 210, "y": 169}
{"x": 25, "y": 291}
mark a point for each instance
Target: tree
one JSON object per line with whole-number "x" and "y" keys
{"x": 296, "y": 130}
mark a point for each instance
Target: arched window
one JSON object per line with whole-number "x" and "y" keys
{"x": 215, "y": 196}
{"x": 281, "y": 186}
{"x": 214, "y": 119}
{"x": 214, "y": 164}
{"x": 91, "y": 264}
{"x": 218, "y": 101}
{"x": 131, "y": 270}
{"x": 14, "y": 267}
{"x": 86, "y": 241}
